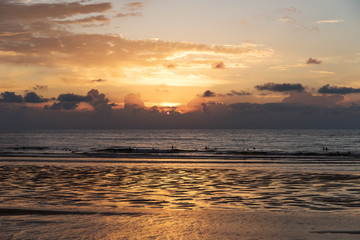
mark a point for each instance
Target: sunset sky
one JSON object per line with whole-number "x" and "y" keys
{"x": 180, "y": 56}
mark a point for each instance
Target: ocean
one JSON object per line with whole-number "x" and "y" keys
{"x": 180, "y": 184}
{"x": 225, "y": 144}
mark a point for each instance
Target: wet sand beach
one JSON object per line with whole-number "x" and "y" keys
{"x": 185, "y": 224}
{"x": 176, "y": 202}
{"x": 178, "y": 188}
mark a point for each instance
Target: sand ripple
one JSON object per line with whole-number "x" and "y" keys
{"x": 176, "y": 188}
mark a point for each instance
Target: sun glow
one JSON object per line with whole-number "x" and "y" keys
{"x": 163, "y": 104}
{"x": 169, "y": 104}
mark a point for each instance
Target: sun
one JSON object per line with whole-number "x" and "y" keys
{"x": 169, "y": 104}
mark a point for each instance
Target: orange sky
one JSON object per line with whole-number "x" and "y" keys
{"x": 170, "y": 53}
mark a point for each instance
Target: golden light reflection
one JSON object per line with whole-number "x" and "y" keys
{"x": 169, "y": 104}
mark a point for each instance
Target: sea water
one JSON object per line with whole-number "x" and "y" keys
{"x": 173, "y": 184}
{"x": 192, "y": 141}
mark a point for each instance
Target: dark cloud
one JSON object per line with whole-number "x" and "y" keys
{"x": 327, "y": 89}
{"x": 10, "y": 97}
{"x": 211, "y": 115}
{"x": 208, "y": 94}
{"x": 98, "y": 101}
{"x": 313, "y": 61}
{"x": 98, "y": 80}
{"x": 236, "y": 93}
{"x": 32, "y": 97}
{"x": 70, "y": 101}
{"x": 63, "y": 105}
{"x": 283, "y": 87}
{"x": 219, "y": 65}
{"x": 40, "y": 87}
{"x": 286, "y": 115}
{"x": 70, "y": 97}
{"x": 67, "y": 101}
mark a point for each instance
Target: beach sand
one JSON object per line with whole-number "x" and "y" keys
{"x": 168, "y": 202}
{"x": 182, "y": 224}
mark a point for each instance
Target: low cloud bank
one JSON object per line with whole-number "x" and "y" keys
{"x": 283, "y": 87}
{"x": 29, "y": 97}
{"x": 299, "y": 109}
{"x": 210, "y": 115}
{"x": 70, "y": 101}
{"x": 327, "y": 89}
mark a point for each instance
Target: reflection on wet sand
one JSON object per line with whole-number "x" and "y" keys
{"x": 176, "y": 188}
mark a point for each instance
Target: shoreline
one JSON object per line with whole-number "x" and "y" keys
{"x": 184, "y": 224}
{"x": 178, "y": 186}
{"x": 67, "y": 200}
{"x": 282, "y": 164}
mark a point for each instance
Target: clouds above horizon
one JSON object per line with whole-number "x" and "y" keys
{"x": 92, "y": 19}
{"x": 209, "y": 93}
{"x": 232, "y": 93}
{"x": 327, "y": 89}
{"x": 313, "y": 61}
{"x": 18, "y": 11}
{"x": 296, "y": 93}
{"x": 70, "y": 101}
{"x": 140, "y": 55}
{"x": 211, "y": 115}
{"x": 236, "y": 93}
{"x": 283, "y": 87}
{"x": 300, "y": 109}
{"x": 30, "y": 97}
{"x": 35, "y": 34}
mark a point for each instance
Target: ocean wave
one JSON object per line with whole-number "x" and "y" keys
{"x": 121, "y": 154}
{"x": 208, "y": 153}
{"x": 38, "y": 148}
